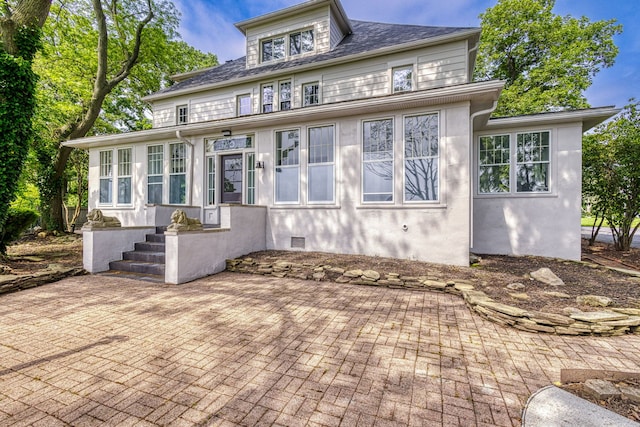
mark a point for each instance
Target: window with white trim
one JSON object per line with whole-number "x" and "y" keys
{"x": 532, "y": 162}
{"x": 178, "y": 174}
{"x": 287, "y": 166}
{"x": 377, "y": 161}
{"x": 267, "y": 98}
{"x": 124, "y": 176}
{"x": 106, "y": 177}
{"x": 494, "y": 163}
{"x": 273, "y": 49}
{"x": 155, "y": 172}
{"x": 321, "y": 165}
{"x": 310, "y": 94}
{"x": 251, "y": 178}
{"x": 285, "y": 95}
{"x": 402, "y": 78}
{"x": 421, "y": 158}
{"x": 244, "y": 105}
{"x": 301, "y": 42}
{"x": 182, "y": 114}
{"x": 211, "y": 180}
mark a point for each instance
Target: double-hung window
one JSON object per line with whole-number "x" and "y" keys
{"x": 524, "y": 168}
{"x": 244, "y": 105}
{"x": 403, "y": 79}
{"x": 321, "y": 167}
{"x": 532, "y": 162}
{"x": 273, "y": 49}
{"x": 267, "y": 98}
{"x": 155, "y": 169}
{"x": 106, "y": 177}
{"x": 421, "y": 155}
{"x": 178, "y": 174}
{"x": 301, "y": 42}
{"x": 124, "y": 176}
{"x": 285, "y": 95}
{"x": 287, "y": 166}
{"x": 182, "y": 114}
{"x": 377, "y": 161}
{"x": 494, "y": 160}
{"x": 310, "y": 94}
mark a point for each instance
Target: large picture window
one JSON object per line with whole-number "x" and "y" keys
{"x": 494, "y": 159}
{"x": 124, "y": 176}
{"x": 287, "y": 166}
{"x": 155, "y": 169}
{"x": 532, "y": 162}
{"x": 321, "y": 167}
{"x": 377, "y": 161}
{"x": 177, "y": 174}
{"x": 106, "y": 177}
{"x": 421, "y": 155}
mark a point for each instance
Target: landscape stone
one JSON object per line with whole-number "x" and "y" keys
{"x": 570, "y": 310}
{"x": 503, "y": 308}
{"x": 343, "y": 279}
{"x": 557, "y": 294}
{"x": 546, "y": 276}
{"x": 473, "y": 297}
{"x": 600, "y": 389}
{"x": 629, "y": 311}
{"x": 463, "y": 286}
{"x": 336, "y": 270}
{"x": 353, "y": 273}
{"x": 515, "y": 286}
{"x": 370, "y": 274}
{"x": 520, "y": 296}
{"x": 630, "y": 321}
{"x": 317, "y": 276}
{"x": 550, "y": 319}
{"x": 433, "y": 284}
{"x": 597, "y": 316}
{"x": 630, "y": 392}
{"x": 594, "y": 300}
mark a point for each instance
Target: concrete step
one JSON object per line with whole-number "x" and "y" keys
{"x": 138, "y": 267}
{"x": 157, "y": 238}
{"x": 145, "y": 256}
{"x": 149, "y": 246}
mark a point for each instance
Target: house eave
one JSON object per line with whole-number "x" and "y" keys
{"x": 462, "y": 35}
{"x": 479, "y": 93}
{"x": 589, "y": 118}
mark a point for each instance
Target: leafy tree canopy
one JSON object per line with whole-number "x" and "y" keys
{"x": 546, "y": 60}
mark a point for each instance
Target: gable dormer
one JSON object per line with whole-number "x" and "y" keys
{"x": 310, "y": 28}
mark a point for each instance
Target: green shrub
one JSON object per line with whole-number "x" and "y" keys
{"x": 18, "y": 220}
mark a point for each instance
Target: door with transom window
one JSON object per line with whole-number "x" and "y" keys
{"x": 231, "y": 179}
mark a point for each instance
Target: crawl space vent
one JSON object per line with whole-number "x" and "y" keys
{"x": 297, "y": 242}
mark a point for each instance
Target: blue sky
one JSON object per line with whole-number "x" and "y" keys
{"x": 208, "y": 25}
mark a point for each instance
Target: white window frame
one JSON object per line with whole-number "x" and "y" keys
{"x": 161, "y": 183}
{"x": 436, "y": 157}
{"x": 302, "y": 50}
{"x": 304, "y": 95}
{"x": 296, "y": 166}
{"x": 106, "y": 169}
{"x": 364, "y": 162}
{"x": 281, "y": 93}
{"x": 533, "y": 162}
{"x": 239, "y": 100}
{"x": 211, "y": 179}
{"x": 311, "y": 165}
{"x": 262, "y": 97}
{"x": 182, "y": 114}
{"x": 411, "y": 79}
{"x": 124, "y": 172}
{"x": 272, "y": 57}
{"x": 495, "y": 164}
{"x": 178, "y": 168}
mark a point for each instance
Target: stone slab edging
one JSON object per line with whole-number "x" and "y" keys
{"x": 616, "y": 321}
{"x": 15, "y": 283}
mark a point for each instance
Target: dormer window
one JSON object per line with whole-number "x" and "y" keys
{"x": 301, "y": 42}
{"x": 273, "y": 49}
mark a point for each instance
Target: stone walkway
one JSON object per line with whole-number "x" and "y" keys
{"x": 248, "y": 350}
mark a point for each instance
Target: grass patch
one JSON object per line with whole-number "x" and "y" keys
{"x": 588, "y": 221}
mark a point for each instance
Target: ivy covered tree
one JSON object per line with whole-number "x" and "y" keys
{"x": 547, "y": 61}
{"x": 20, "y": 33}
{"x": 611, "y": 174}
{"x": 99, "y": 58}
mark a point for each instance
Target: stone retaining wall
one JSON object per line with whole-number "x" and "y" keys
{"x": 14, "y": 283}
{"x": 617, "y": 321}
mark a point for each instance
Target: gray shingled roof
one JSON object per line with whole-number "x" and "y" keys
{"x": 366, "y": 36}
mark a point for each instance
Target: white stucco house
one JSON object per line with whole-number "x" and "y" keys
{"x": 343, "y": 136}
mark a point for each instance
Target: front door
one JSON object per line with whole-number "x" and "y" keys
{"x": 231, "y": 179}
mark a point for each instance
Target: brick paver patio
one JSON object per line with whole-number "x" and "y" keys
{"x": 246, "y": 350}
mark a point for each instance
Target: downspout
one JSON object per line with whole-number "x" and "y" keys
{"x": 471, "y": 164}
{"x": 191, "y": 159}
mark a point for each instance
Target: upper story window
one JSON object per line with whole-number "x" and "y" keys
{"x": 403, "y": 79}
{"x": 273, "y": 49}
{"x": 500, "y": 164}
{"x": 285, "y": 95}
{"x": 267, "y": 98}
{"x": 310, "y": 94}
{"x": 244, "y": 105}
{"x": 182, "y": 114}
{"x": 301, "y": 42}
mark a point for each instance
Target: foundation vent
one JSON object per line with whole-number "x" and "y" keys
{"x": 297, "y": 242}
